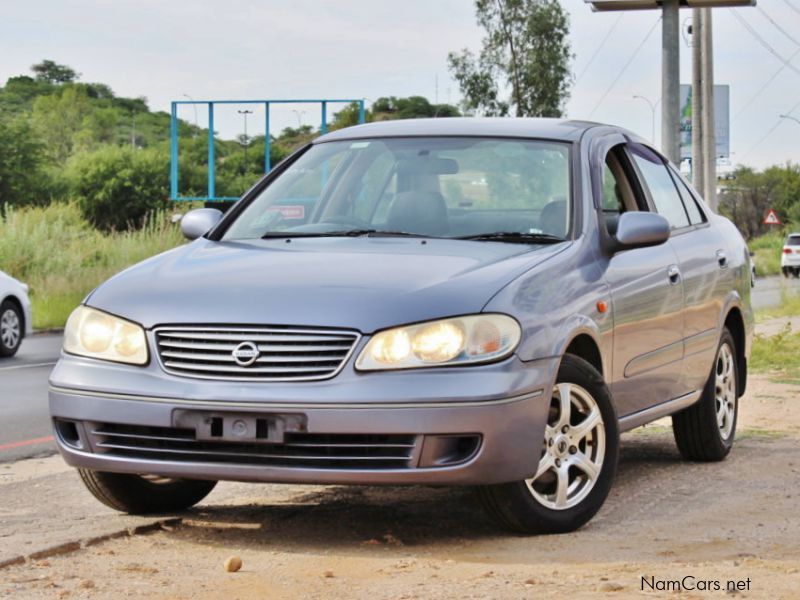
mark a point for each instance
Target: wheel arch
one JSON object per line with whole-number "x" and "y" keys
{"x": 734, "y": 321}
{"x": 583, "y": 345}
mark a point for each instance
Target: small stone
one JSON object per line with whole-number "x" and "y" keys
{"x": 532, "y": 581}
{"x": 487, "y": 574}
{"x": 86, "y": 584}
{"x": 328, "y": 574}
{"x": 611, "y": 586}
{"x": 233, "y": 564}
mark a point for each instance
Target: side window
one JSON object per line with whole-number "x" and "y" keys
{"x": 695, "y": 215}
{"x": 618, "y": 194}
{"x": 662, "y": 189}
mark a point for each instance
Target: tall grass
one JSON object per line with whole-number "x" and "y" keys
{"x": 55, "y": 251}
{"x": 768, "y": 249}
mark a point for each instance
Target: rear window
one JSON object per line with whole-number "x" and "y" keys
{"x": 793, "y": 240}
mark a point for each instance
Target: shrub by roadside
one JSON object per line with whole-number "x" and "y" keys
{"x": 767, "y": 249}
{"x": 62, "y": 257}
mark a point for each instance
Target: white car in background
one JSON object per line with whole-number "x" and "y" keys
{"x": 15, "y": 314}
{"x": 790, "y": 257}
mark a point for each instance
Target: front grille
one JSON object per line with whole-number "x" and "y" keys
{"x": 309, "y": 450}
{"x": 284, "y": 353}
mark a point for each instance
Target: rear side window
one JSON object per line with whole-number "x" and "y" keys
{"x": 793, "y": 240}
{"x": 689, "y": 202}
{"x": 665, "y": 195}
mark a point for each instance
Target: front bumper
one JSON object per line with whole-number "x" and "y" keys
{"x": 502, "y": 407}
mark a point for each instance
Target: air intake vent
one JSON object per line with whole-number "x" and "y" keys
{"x": 309, "y": 450}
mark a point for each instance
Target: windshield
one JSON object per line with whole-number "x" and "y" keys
{"x": 437, "y": 187}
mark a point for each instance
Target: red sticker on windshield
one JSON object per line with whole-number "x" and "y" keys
{"x": 290, "y": 212}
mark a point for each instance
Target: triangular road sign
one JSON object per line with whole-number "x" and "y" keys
{"x": 772, "y": 218}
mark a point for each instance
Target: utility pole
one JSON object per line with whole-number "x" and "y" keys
{"x": 670, "y": 80}
{"x": 698, "y": 164}
{"x": 709, "y": 126}
{"x": 670, "y": 59}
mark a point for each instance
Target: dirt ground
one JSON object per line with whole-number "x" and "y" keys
{"x": 666, "y": 521}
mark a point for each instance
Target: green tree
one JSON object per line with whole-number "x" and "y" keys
{"x": 117, "y": 188}
{"x": 51, "y": 72}
{"x": 22, "y": 176}
{"x": 525, "y": 49}
{"x": 58, "y": 117}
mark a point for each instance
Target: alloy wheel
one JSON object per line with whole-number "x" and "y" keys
{"x": 725, "y": 391}
{"x": 573, "y": 451}
{"x": 10, "y": 328}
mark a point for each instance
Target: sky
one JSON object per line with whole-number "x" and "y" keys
{"x": 259, "y": 49}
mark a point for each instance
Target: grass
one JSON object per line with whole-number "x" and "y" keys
{"x": 778, "y": 355}
{"x": 767, "y": 249}
{"x": 62, "y": 257}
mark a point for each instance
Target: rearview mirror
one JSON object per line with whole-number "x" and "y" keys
{"x": 200, "y": 221}
{"x": 641, "y": 229}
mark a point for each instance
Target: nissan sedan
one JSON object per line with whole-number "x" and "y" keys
{"x": 484, "y": 302}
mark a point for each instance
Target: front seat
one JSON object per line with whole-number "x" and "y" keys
{"x": 553, "y": 218}
{"x": 418, "y": 212}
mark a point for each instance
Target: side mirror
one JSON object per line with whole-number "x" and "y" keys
{"x": 641, "y": 229}
{"x": 198, "y": 222}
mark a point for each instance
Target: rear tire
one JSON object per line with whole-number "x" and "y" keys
{"x": 705, "y": 431}
{"x": 578, "y": 461}
{"x": 144, "y": 494}
{"x": 11, "y": 328}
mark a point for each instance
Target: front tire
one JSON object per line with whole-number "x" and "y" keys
{"x": 11, "y": 328}
{"x": 705, "y": 430}
{"x": 577, "y": 464}
{"x": 144, "y": 494}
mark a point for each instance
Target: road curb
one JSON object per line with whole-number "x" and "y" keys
{"x": 74, "y": 546}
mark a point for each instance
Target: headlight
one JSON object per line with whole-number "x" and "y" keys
{"x": 96, "y": 334}
{"x": 457, "y": 341}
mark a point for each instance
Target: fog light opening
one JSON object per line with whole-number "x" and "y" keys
{"x": 447, "y": 450}
{"x": 68, "y": 433}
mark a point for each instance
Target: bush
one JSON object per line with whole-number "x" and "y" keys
{"x": 767, "y": 249}
{"x": 63, "y": 258}
{"x": 116, "y": 188}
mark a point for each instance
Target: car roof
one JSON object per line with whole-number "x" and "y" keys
{"x": 550, "y": 129}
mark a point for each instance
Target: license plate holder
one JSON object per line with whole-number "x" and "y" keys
{"x": 254, "y": 428}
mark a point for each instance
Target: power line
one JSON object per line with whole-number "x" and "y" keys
{"x": 600, "y": 47}
{"x": 792, "y": 6}
{"x": 774, "y": 76}
{"x": 770, "y": 132}
{"x": 625, "y": 67}
{"x": 763, "y": 42}
{"x": 778, "y": 27}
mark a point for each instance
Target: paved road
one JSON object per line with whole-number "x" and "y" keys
{"x": 24, "y": 420}
{"x": 767, "y": 291}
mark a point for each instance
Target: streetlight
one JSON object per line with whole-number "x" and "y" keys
{"x": 652, "y": 106}
{"x": 791, "y": 118}
{"x": 194, "y": 106}
{"x": 245, "y": 139}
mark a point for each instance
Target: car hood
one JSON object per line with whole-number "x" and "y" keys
{"x": 360, "y": 283}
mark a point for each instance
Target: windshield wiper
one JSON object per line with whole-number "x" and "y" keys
{"x": 515, "y": 237}
{"x": 343, "y": 233}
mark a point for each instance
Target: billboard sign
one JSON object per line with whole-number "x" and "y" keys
{"x": 722, "y": 120}
{"x": 645, "y": 4}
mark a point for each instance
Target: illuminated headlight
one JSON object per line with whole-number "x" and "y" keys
{"x": 96, "y": 334}
{"x": 457, "y": 341}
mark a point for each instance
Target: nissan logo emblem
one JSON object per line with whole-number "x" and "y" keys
{"x": 245, "y": 354}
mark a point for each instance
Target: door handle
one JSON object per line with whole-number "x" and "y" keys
{"x": 722, "y": 259}
{"x": 674, "y": 274}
